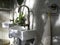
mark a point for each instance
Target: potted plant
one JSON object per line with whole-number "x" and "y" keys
{"x": 20, "y": 20}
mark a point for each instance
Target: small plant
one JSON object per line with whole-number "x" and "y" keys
{"x": 21, "y": 19}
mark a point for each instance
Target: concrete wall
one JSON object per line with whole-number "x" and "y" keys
{"x": 41, "y": 7}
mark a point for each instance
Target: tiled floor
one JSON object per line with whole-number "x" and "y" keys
{"x": 4, "y": 35}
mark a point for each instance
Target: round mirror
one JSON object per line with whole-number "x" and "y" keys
{"x": 20, "y": 1}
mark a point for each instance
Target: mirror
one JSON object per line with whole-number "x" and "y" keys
{"x": 20, "y": 1}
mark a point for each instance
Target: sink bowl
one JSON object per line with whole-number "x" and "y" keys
{"x": 22, "y": 34}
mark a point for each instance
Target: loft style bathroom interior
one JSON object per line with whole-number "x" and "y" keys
{"x": 29, "y": 22}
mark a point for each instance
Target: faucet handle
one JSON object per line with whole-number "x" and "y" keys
{"x": 12, "y": 20}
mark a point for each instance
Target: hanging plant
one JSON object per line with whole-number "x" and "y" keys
{"x": 21, "y": 19}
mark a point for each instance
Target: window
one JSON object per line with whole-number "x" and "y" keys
{"x": 6, "y": 4}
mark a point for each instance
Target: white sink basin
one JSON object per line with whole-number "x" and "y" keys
{"x": 23, "y": 34}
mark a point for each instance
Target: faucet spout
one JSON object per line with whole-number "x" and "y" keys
{"x": 28, "y": 14}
